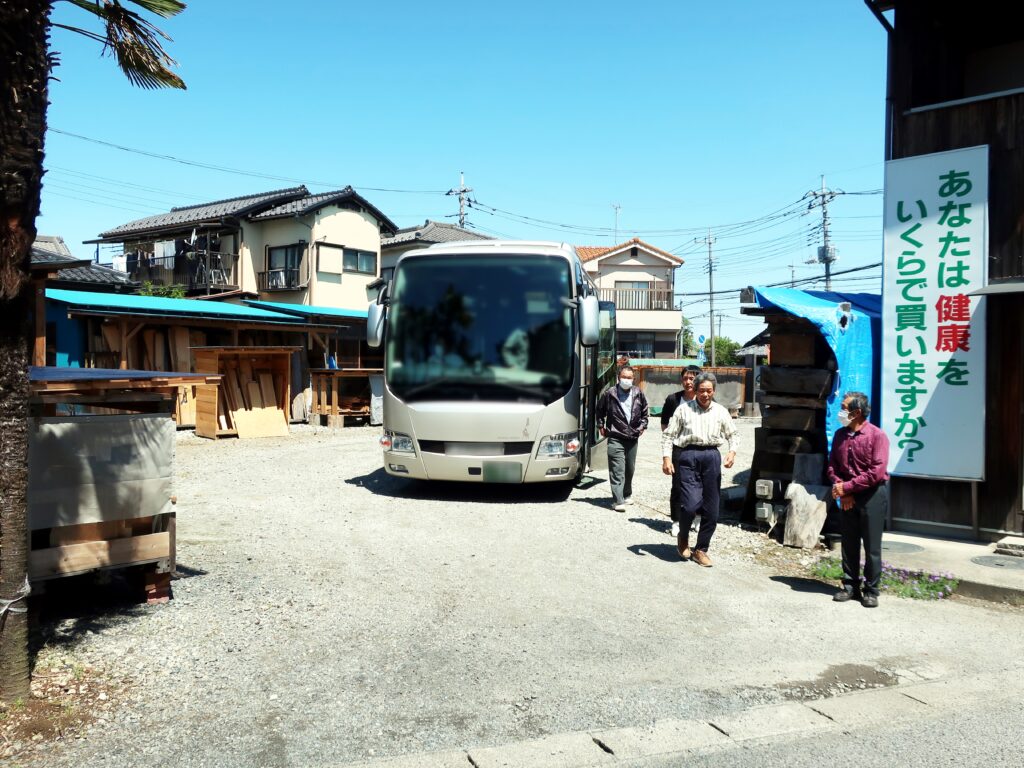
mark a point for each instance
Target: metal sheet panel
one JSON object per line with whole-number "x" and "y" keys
{"x": 88, "y": 469}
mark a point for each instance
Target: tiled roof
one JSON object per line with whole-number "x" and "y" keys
{"x": 432, "y": 232}
{"x": 309, "y": 203}
{"x": 51, "y": 249}
{"x": 590, "y": 252}
{"x": 180, "y": 218}
{"x": 94, "y": 273}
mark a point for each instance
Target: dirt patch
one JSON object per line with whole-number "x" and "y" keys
{"x": 67, "y": 698}
{"x": 837, "y": 680}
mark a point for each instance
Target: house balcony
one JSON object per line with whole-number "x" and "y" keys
{"x": 283, "y": 279}
{"x": 639, "y": 298}
{"x": 195, "y": 271}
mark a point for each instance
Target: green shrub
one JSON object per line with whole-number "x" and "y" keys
{"x": 903, "y": 582}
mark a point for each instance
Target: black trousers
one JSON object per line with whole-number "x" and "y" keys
{"x": 698, "y": 483}
{"x": 862, "y": 526}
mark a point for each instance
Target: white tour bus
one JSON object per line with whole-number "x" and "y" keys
{"x": 494, "y": 355}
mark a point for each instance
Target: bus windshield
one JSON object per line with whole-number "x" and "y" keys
{"x": 480, "y": 328}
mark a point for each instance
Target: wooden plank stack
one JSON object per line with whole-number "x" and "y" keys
{"x": 160, "y": 348}
{"x": 254, "y": 400}
{"x": 794, "y": 391}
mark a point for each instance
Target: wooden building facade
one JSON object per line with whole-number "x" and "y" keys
{"x": 956, "y": 80}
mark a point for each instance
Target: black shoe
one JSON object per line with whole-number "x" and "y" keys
{"x": 869, "y": 601}
{"x": 843, "y": 595}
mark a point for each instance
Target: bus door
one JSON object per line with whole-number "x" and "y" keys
{"x": 600, "y": 376}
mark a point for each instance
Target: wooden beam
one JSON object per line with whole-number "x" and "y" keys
{"x": 79, "y": 558}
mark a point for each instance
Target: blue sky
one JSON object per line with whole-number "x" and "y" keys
{"x": 687, "y": 115}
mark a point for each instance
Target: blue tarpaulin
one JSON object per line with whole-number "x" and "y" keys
{"x": 854, "y": 338}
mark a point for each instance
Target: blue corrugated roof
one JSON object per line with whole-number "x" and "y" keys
{"x": 160, "y": 305}
{"x": 308, "y": 310}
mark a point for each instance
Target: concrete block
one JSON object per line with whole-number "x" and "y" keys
{"x": 777, "y": 720}
{"x": 766, "y": 489}
{"x": 876, "y": 706}
{"x": 665, "y": 737}
{"x": 961, "y": 693}
{"x": 809, "y": 468}
{"x": 563, "y": 750}
{"x": 764, "y": 511}
{"x": 1010, "y": 545}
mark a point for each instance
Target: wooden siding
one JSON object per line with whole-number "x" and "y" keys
{"x": 926, "y": 68}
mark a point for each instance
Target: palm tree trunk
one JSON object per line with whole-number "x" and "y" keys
{"x": 23, "y": 97}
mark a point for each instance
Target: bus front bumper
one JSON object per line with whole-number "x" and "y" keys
{"x": 477, "y": 469}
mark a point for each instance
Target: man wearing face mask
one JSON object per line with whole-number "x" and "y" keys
{"x": 622, "y": 415}
{"x": 857, "y": 470}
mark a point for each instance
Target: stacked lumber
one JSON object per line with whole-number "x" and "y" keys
{"x": 155, "y": 349}
{"x": 252, "y": 400}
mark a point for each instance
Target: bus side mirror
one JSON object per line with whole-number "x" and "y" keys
{"x": 589, "y": 320}
{"x": 375, "y": 315}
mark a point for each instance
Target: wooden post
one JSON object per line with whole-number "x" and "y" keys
{"x": 39, "y": 348}
{"x": 124, "y": 345}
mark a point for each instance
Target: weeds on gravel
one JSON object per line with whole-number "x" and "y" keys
{"x": 902, "y": 582}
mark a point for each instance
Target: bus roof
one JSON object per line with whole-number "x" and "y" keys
{"x": 477, "y": 247}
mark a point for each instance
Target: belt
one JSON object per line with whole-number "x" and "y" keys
{"x": 694, "y": 446}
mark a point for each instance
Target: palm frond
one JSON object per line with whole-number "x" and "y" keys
{"x": 135, "y": 42}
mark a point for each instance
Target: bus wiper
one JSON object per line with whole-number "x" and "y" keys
{"x": 537, "y": 392}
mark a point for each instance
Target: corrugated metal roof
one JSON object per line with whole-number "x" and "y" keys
{"x": 186, "y": 216}
{"x": 432, "y": 232}
{"x": 160, "y": 305}
{"x": 306, "y": 310}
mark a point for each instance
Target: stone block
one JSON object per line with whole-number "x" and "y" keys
{"x": 806, "y": 515}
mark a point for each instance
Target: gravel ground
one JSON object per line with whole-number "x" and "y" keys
{"x": 328, "y": 613}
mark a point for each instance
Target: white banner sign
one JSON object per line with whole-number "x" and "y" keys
{"x": 933, "y": 330}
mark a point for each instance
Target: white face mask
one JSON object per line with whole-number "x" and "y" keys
{"x": 625, "y": 384}
{"x": 844, "y": 418}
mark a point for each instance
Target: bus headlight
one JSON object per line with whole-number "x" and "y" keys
{"x": 397, "y": 442}
{"x": 558, "y": 446}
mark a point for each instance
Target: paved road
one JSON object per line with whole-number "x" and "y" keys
{"x": 331, "y": 614}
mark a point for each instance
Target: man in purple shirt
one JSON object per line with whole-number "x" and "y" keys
{"x": 857, "y": 471}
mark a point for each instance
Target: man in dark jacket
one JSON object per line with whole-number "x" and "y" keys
{"x": 622, "y": 415}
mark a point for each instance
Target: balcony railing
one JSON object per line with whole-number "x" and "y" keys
{"x": 197, "y": 271}
{"x": 289, "y": 279}
{"x": 638, "y": 298}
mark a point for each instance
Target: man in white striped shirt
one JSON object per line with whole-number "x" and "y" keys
{"x": 689, "y": 449}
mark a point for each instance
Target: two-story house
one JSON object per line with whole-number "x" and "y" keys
{"x": 287, "y": 245}
{"x": 421, "y": 236}
{"x": 640, "y": 279}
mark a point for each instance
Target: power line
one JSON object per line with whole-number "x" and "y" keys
{"x": 237, "y": 171}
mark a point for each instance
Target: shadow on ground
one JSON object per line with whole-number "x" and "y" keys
{"x": 664, "y": 552}
{"x": 801, "y": 584}
{"x": 380, "y": 483}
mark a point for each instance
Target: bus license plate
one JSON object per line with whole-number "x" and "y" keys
{"x": 503, "y": 472}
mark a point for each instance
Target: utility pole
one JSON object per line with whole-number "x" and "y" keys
{"x": 708, "y": 241}
{"x": 792, "y": 275}
{"x": 719, "y": 326}
{"x": 462, "y": 191}
{"x": 827, "y": 252}
{"x": 617, "y": 208}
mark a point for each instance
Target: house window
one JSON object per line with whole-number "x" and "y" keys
{"x": 283, "y": 265}
{"x": 636, "y": 343}
{"x": 364, "y": 262}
